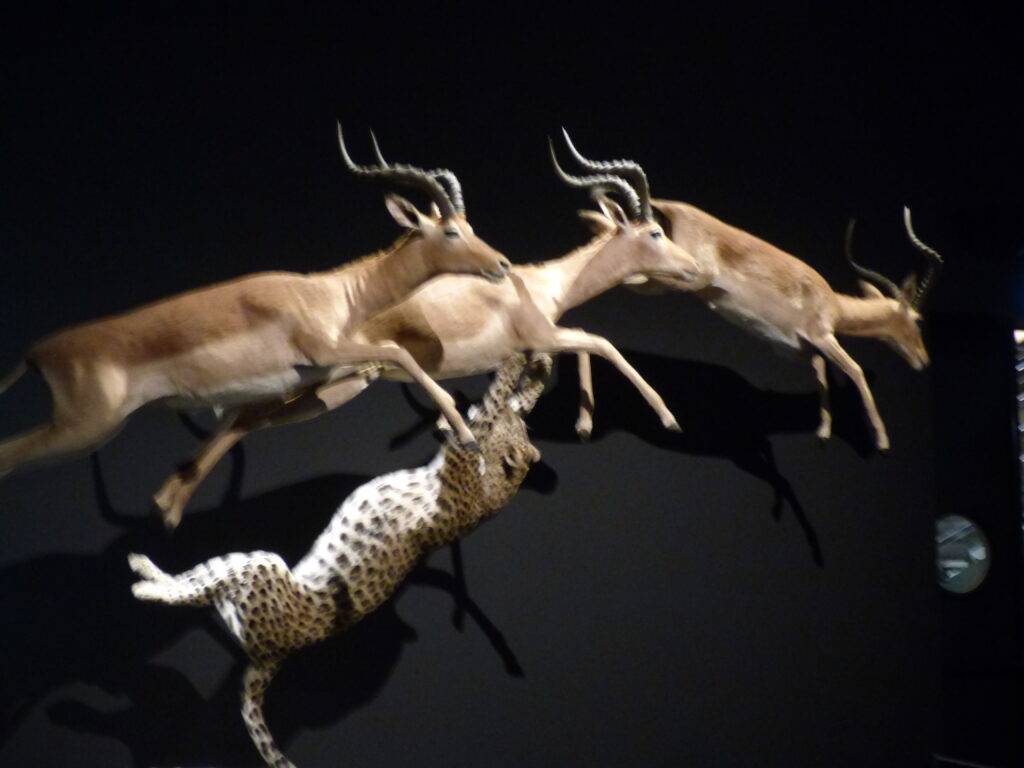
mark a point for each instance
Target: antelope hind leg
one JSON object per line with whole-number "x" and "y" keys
{"x": 179, "y": 488}
{"x": 825, "y": 424}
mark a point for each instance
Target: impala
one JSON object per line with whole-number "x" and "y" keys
{"x": 456, "y": 326}
{"x": 257, "y": 339}
{"x": 783, "y": 300}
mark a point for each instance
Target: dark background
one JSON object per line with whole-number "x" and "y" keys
{"x": 732, "y": 596}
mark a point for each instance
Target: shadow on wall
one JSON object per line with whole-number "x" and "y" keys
{"x": 90, "y": 629}
{"x": 721, "y": 414}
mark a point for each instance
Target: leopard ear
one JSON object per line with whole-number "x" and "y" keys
{"x": 511, "y": 461}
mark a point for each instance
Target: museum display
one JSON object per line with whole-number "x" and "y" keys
{"x": 259, "y": 338}
{"x": 379, "y": 533}
{"x": 783, "y": 300}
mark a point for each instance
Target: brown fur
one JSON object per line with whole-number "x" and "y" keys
{"x": 255, "y": 339}
{"x": 786, "y": 301}
{"x": 455, "y": 326}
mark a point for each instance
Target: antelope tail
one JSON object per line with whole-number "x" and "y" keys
{"x": 254, "y": 685}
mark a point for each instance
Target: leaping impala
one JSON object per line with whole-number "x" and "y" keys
{"x": 455, "y": 326}
{"x": 256, "y": 339}
{"x": 783, "y": 300}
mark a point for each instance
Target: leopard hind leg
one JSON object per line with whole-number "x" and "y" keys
{"x": 255, "y": 681}
{"x": 197, "y": 586}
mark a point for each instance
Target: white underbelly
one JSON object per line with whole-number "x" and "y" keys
{"x": 252, "y": 389}
{"x": 784, "y": 338}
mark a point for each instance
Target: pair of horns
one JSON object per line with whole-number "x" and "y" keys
{"x": 623, "y": 176}
{"x": 447, "y": 196}
{"x": 916, "y": 299}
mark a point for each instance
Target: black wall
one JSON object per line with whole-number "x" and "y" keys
{"x": 734, "y": 595}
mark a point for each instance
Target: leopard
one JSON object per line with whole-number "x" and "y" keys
{"x": 378, "y": 535}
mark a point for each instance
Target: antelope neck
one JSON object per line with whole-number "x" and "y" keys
{"x": 859, "y": 316}
{"x": 586, "y": 272}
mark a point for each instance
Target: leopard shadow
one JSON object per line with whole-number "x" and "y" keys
{"x": 122, "y": 635}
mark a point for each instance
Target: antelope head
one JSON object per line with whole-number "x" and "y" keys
{"x": 635, "y": 234}
{"x": 903, "y": 331}
{"x": 450, "y": 244}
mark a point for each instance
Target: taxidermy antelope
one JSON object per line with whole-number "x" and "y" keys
{"x": 783, "y": 300}
{"x": 255, "y": 339}
{"x": 380, "y": 532}
{"x": 459, "y": 327}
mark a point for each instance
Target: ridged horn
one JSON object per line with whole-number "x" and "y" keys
{"x": 875, "y": 278}
{"x": 600, "y": 182}
{"x": 934, "y": 266}
{"x": 409, "y": 175}
{"x": 629, "y": 169}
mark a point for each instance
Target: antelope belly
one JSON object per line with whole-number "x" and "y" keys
{"x": 252, "y": 389}
{"x": 758, "y": 326}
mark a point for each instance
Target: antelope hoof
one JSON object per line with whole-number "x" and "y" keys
{"x": 170, "y": 509}
{"x": 443, "y": 428}
{"x": 584, "y": 427}
{"x": 671, "y": 424}
{"x": 472, "y": 446}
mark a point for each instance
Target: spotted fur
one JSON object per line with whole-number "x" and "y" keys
{"x": 380, "y": 532}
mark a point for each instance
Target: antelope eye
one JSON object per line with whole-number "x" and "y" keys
{"x": 657, "y": 234}
{"x": 451, "y": 234}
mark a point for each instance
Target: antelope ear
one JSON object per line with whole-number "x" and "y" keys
{"x": 599, "y": 223}
{"x": 870, "y": 291}
{"x": 405, "y": 213}
{"x": 435, "y": 212}
{"x": 613, "y": 211}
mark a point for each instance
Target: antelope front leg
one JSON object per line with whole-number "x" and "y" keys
{"x": 395, "y": 355}
{"x": 585, "y": 421}
{"x": 577, "y": 340}
{"x": 825, "y": 424}
{"x": 829, "y": 347}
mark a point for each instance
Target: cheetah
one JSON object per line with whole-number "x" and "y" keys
{"x": 377, "y": 536}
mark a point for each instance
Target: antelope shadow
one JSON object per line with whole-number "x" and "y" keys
{"x": 88, "y": 628}
{"x": 722, "y": 415}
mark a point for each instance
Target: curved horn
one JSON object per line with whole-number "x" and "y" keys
{"x": 376, "y": 148}
{"x": 452, "y": 186}
{"x": 627, "y": 168}
{"x": 601, "y": 182}
{"x": 876, "y": 279}
{"x": 409, "y": 175}
{"x": 925, "y": 283}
